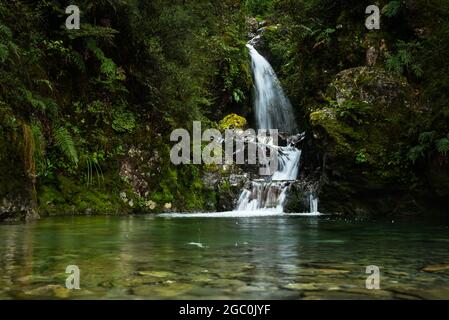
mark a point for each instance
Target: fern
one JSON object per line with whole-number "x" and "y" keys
{"x": 65, "y": 142}
{"x": 405, "y": 59}
{"x": 77, "y": 60}
{"x": 108, "y": 67}
{"x": 392, "y": 8}
{"x": 415, "y": 153}
{"x": 425, "y": 141}
{"x": 113, "y": 74}
{"x": 442, "y": 145}
{"x": 426, "y": 138}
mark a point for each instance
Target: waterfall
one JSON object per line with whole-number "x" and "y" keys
{"x": 273, "y": 110}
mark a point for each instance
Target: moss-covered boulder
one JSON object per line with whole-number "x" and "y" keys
{"x": 360, "y": 136}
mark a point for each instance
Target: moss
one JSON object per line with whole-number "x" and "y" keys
{"x": 339, "y": 133}
{"x": 232, "y": 121}
{"x": 68, "y": 196}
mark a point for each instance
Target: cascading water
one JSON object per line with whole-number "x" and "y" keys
{"x": 273, "y": 110}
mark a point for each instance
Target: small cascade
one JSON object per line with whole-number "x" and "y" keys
{"x": 313, "y": 202}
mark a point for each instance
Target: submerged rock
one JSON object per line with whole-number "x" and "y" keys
{"x": 302, "y": 286}
{"x": 155, "y": 274}
{"x": 436, "y": 267}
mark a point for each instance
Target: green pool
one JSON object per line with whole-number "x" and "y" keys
{"x": 273, "y": 257}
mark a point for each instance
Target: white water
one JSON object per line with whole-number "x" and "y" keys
{"x": 273, "y": 110}
{"x": 235, "y": 214}
{"x": 313, "y": 202}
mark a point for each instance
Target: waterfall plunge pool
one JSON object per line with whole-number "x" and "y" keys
{"x": 271, "y": 257}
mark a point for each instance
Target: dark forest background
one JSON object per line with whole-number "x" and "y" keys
{"x": 86, "y": 115}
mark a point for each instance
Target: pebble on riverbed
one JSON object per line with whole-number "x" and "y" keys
{"x": 436, "y": 267}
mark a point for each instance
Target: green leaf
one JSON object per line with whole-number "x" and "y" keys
{"x": 65, "y": 142}
{"x": 443, "y": 146}
{"x": 392, "y": 8}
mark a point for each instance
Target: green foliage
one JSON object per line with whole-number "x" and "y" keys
{"x": 442, "y": 145}
{"x": 427, "y": 144}
{"x": 392, "y": 8}
{"x": 354, "y": 111}
{"x": 425, "y": 141}
{"x": 361, "y": 157}
{"x": 405, "y": 59}
{"x": 92, "y": 162}
{"x": 66, "y": 144}
{"x": 258, "y": 7}
{"x": 113, "y": 74}
{"x": 124, "y": 122}
{"x": 138, "y": 69}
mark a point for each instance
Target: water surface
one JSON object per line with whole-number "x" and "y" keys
{"x": 265, "y": 257}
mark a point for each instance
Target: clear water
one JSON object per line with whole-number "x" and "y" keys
{"x": 272, "y": 257}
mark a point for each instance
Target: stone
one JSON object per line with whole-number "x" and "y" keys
{"x": 302, "y": 286}
{"x": 358, "y": 132}
{"x": 252, "y": 23}
{"x": 155, "y": 274}
{"x": 436, "y": 267}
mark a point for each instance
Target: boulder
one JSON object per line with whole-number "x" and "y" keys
{"x": 360, "y": 138}
{"x": 252, "y": 24}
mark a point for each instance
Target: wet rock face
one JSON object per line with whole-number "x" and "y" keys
{"x": 298, "y": 196}
{"x": 227, "y": 185}
{"x": 17, "y": 208}
{"x": 136, "y": 168}
{"x": 437, "y": 174}
{"x": 252, "y": 24}
{"x": 360, "y": 135}
{"x": 374, "y": 86}
{"x": 16, "y": 197}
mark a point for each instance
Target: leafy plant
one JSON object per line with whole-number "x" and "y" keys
{"x": 124, "y": 121}
{"x": 92, "y": 163}
{"x": 361, "y": 157}
{"x": 426, "y": 143}
{"x": 355, "y": 111}
{"x": 65, "y": 142}
{"x": 442, "y": 145}
{"x": 405, "y": 59}
{"x": 392, "y": 8}
{"x": 113, "y": 74}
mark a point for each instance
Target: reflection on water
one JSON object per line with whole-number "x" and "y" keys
{"x": 273, "y": 257}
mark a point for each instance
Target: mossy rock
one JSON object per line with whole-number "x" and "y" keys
{"x": 361, "y": 133}
{"x": 232, "y": 121}
{"x": 69, "y": 196}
